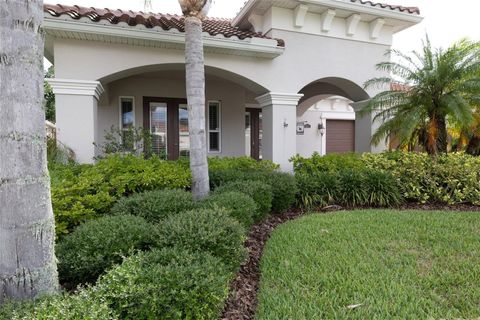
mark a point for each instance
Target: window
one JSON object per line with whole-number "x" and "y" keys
{"x": 127, "y": 121}
{"x": 214, "y": 127}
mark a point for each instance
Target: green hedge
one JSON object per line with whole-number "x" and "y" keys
{"x": 97, "y": 245}
{"x": 155, "y": 205}
{"x": 82, "y": 305}
{"x": 259, "y": 191}
{"x": 237, "y": 204}
{"x": 449, "y": 179}
{"x": 167, "y": 284}
{"x": 83, "y": 192}
{"x": 205, "y": 230}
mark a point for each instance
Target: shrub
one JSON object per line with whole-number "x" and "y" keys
{"x": 239, "y": 205}
{"x": 220, "y": 177}
{"x": 328, "y": 163}
{"x": 205, "y": 230}
{"x": 167, "y": 284}
{"x": 451, "y": 178}
{"x": 352, "y": 188}
{"x": 317, "y": 190}
{"x": 284, "y": 190}
{"x": 382, "y": 189}
{"x": 99, "y": 244}
{"x": 83, "y": 192}
{"x": 259, "y": 191}
{"x": 82, "y": 305}
{"x": 240, "y": 163}
{"x": 155, "y": 205}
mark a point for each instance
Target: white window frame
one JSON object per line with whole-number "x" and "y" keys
{"x": 120, "y": 118}
{"x": 219, "y": 130}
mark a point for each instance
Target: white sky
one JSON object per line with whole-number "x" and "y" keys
{"x": 446, "y": 21}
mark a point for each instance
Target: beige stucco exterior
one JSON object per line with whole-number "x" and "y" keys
{"x": 314, "y": 63}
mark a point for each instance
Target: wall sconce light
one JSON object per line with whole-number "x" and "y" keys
{"x": 321, "y": 128}
{"x": 285, "y": 124}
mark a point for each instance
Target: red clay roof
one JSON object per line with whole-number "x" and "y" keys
{"x": 389, "y": 6}
{"x": 212, "y": 26}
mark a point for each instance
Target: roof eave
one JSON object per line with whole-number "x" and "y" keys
{"x": 412, "y": 18}
{"x": 258, "y": 47}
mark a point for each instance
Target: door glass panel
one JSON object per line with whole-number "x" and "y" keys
{"x": 248, "y": 134}
{"x": 158, "y": 128}
{"x": 184, "y": 136}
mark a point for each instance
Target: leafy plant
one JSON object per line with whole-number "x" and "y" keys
{"x": 155, "y": 205}
{"x": 205, "y": 230}
{"x": 167, "y": 284}
{"x": 259, "y": 191}
{"x": 97, "y": 245}
{"x": 238, "y": 205}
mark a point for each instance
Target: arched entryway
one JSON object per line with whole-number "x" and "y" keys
{"x": 328, "y": 120}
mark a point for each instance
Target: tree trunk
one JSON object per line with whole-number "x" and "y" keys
{"x": 27, "y": 260}
{"x": 442, "y": 139}
{"x": 195, "y": 80}
{"x": 473, "y": 147}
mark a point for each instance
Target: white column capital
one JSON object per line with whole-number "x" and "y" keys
{"x": 76, "y": 87}
{"x": 359, "y": 105}
{"x": 273, "y": 98}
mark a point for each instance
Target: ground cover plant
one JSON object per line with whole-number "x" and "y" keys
{"x": 373, "y": 264}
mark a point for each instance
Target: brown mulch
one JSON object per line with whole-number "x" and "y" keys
{"x": 242, "y": 301}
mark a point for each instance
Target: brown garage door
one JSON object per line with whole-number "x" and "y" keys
{"x": 340, "y": 136}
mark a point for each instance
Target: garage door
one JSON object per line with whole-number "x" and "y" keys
{"x": 340, "y": 136}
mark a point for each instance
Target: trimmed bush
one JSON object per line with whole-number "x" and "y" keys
{"x": 327, "y": 163}
{"x": 259, "y": 191}
{"x": 97, "y": 245}
{"x": 205, "y": 230}
{"x": 83, "y": 192}
{"x": 284, "y": 190}
{"x": 239, "y": 205}
{"x": 220, "y": 177}
{"x": 156, "y": 205}
{"x": 167, "y": 284}
{"x": 82, "y": 305}
{"x": 240, "y": 163}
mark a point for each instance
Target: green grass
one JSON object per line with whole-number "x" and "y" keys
{"x": 396, "y": 264}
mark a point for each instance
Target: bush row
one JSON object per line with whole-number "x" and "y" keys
{"x": 83, "y": 192}
{"x": 449, "y": 179}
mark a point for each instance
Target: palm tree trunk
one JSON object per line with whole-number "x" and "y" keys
{"x": 195, "y": 80}
{"x": 27, "y": 260}
{"x": 442, "y": 138}
{"x": 473, "y": 147}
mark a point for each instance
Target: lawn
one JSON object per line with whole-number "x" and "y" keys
{"x": 389, "y": 264}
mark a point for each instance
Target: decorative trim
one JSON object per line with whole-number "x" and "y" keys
{"x": 76, "y": 87}
{"x": 299, "y": 13}
{"x": 376, "y": 27}
{"x": 327, "y": 18}
{"x": 352, "y": 24}
{"x": 265, "y": 48}
{"x": 284, "y": 99}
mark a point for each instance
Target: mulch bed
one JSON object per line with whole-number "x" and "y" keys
{"x": 242, "y": 301}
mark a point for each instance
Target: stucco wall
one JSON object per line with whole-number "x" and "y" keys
{"x": 232, "y": 99}
{"x": 312, "y": 140}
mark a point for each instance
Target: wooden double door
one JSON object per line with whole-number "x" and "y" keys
{"x": 253, "y": 133}
{"x": 167, "y": 120}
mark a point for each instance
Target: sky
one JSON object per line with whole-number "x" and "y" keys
{"x": 446, "y": 21}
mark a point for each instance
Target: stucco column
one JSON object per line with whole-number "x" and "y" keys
{"x": 365, "y": 128}
{"x": 76, "y": 103}
{"x": 279, "y": 116}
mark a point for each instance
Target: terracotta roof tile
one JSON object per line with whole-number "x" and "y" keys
{"x": 212, "y": 26}
{"x": 389, "y": 6}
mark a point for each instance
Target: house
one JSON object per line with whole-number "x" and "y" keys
{"x": 284, "y": 76}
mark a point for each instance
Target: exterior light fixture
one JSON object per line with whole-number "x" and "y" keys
{"x": 321, "y": 128}
{"x": 285, "y": 124}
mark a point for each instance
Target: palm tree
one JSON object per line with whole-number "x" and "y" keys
{"x": 27, "y": 260}
{"x": 433, "y": 86}
{"x": 195, "y": 11}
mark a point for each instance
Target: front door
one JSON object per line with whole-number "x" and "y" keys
{"x": 253, "y": 133}
{"x": 167, "y": 120}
